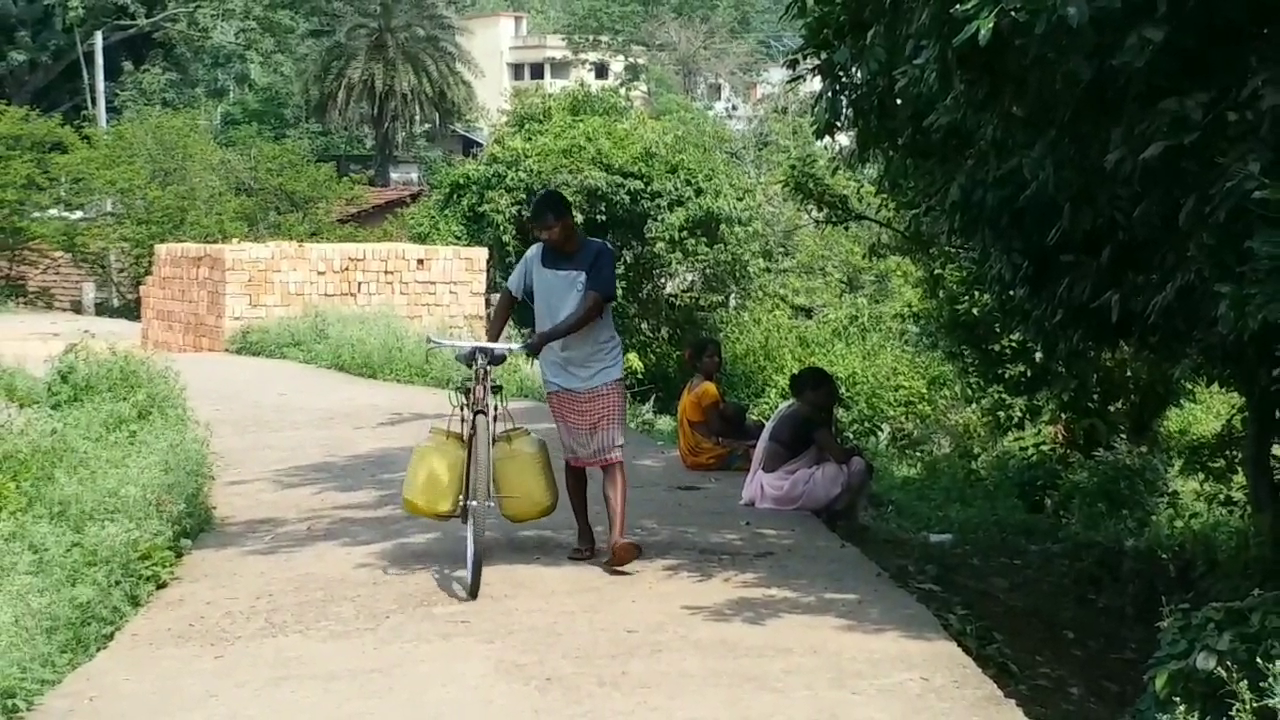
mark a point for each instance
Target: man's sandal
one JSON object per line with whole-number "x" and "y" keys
{"x": 623, "y": 553}
{"x": 582, "y": 554}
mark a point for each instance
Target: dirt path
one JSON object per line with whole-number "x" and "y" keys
{"x": 317, "y": 597}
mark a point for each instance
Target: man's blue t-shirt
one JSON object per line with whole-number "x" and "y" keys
{"x": 555, "y": 284}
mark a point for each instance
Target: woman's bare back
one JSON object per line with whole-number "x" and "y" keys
{"x": 790, "y": 437}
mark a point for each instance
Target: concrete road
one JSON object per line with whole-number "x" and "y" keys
{"x": 317, "y": 597}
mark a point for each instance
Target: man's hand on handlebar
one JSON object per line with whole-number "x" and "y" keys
{"x": 535, "y": 344}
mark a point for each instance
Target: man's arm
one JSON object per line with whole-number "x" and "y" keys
{"x": 511, "y": 294}
{"x": 589, "y": 311}
{"x": 501, "y": 315}
{"x": 601, "y": 289}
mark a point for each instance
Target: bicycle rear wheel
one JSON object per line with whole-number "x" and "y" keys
{"x": 478, "y": 477}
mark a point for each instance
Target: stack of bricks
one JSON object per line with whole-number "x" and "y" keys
{"x": 182, "y": 302}
{"x": 197, "y": 295}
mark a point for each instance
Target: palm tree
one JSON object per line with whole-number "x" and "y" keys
{"x": 391, "y": 66}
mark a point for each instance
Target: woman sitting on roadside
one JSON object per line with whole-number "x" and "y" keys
{"x": 712, "y": 434}
{"x": 799, "y": 464}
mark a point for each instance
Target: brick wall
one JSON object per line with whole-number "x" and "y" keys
{"x": 197, "y": 295}
{"x": 51, "y": 278}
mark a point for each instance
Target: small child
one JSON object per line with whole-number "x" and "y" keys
{"x": 737, "y": 423}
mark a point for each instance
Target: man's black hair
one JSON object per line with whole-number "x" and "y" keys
{"x": 550, "y": 204}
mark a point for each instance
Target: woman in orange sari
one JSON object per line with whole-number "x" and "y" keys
{"x": 712, "y": 434}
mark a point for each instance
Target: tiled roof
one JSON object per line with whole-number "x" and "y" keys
{"x": 379, "y": 197}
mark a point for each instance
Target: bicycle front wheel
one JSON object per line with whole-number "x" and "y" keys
{"x": 478, "y": 476}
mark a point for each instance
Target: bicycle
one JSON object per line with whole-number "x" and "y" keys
{"x": 478, "y": 398}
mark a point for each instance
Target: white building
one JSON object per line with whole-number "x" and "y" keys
{"x": 736, "y": 109}
{"x": 510, "y": 58}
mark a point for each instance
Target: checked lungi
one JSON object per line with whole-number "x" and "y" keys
{"x": 592, "y": 423}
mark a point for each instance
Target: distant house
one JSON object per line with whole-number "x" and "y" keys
{"x": 772, "y": 79}
{"x": 737, "y": 108}
{"x": 405, "y": 171}
{"x": 380, "y": 204}
{"x": 509, "y": 58}
{"x": 463, "y": 142}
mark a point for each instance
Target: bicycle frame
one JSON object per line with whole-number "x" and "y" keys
{"x": 477, "y": 396}
{"x": 480, "y": 392}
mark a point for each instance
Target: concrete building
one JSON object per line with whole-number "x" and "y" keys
{"x": 510, "y": 58}
{"x": 772, "y": 79}
{"x": 737, "y": 108}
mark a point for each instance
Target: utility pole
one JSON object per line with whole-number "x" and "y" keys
{"x": 99, "y": 80}
{"x": 100, "y": 95}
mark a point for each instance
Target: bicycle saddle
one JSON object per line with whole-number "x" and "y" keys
{"x": 468, "y": 357}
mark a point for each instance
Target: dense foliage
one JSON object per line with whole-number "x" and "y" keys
{"x": 1095, "y": 230}
{"x": 1109, "y": 226}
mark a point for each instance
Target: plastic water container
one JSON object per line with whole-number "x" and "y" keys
{"x": 433, "y": 483}
{"x": 524, "y": 482}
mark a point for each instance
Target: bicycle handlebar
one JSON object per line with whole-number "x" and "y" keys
{"x": 472, "y": 345}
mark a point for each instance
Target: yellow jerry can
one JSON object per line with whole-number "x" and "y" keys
{"x": 524, "y": 484}
{"x": 433, "y": 483}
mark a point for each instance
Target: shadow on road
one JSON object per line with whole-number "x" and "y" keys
{"x": 777, "y": 565}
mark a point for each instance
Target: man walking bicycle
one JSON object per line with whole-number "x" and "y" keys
{"x": 571, "y": 281}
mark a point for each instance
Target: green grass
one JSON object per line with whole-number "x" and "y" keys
{"x": 104, "y": 478}
{"x": 382, "y": 346}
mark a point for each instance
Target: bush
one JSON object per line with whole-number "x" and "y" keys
{"x": 1205, "y": 432}
{"x": 29, "y": 146}
{"x": 104, "y": 477}
{"x": 685, "y": 219}
{"x": 385, "y": 347}
{"x": 378, "y": 346}
{"x": 1221, "y": 661}
{"x": 891, "y": 388}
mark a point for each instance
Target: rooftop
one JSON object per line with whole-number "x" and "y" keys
{"x": 379, "y": 198}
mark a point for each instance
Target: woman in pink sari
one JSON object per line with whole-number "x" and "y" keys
{"x": 799, "y": 464}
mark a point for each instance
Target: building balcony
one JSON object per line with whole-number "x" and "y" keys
{"x": 548, "y": 84}
{"x": 547, "y": 41}
{"x": 539, "y": 54}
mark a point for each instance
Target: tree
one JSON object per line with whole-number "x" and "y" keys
{"x": 155, "y": 166}
{"x": 221, "y": 52}
{"x": 393, "y": 67}
{"x": 29, "y": 144}
{"x": 699, "y": 53}
{"x": 46, "y": 45}
{"x": 677, "y": 45}
{"x": 686, "y": 221}
{"x": 1106, "y": 201}
{"x": 750, "y": 20}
